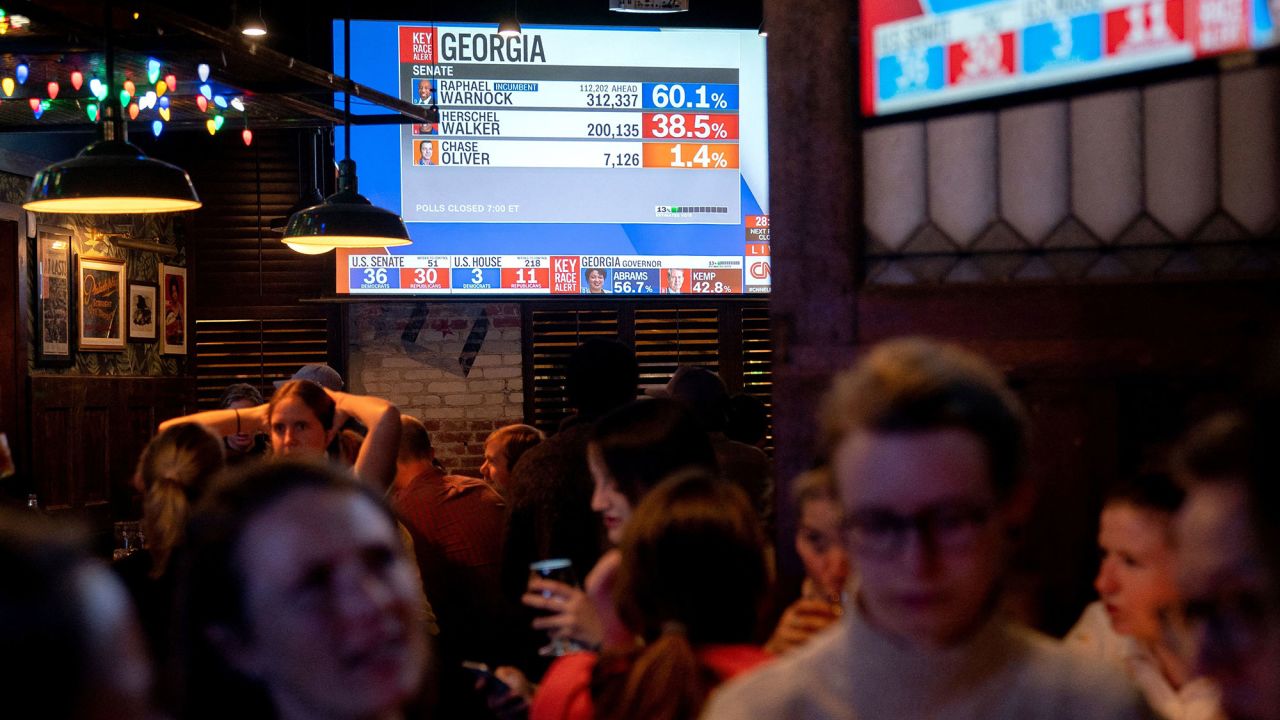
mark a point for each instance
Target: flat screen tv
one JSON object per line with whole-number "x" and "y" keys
{"x": 566, "y": 160}
{"x": 925, "y": 53}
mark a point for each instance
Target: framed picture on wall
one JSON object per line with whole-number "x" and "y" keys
{"x": 173, "y": 333}
{"x": 53, "y": 298}
{"x": 141, "y": 309}
{"x": 102, "y": 304}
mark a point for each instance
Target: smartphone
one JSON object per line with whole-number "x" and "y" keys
{"x": 492, "y": 685}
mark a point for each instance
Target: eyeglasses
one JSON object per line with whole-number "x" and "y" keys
{"x": 883, "y": 533}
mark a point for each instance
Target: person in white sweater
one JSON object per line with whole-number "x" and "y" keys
{"x": 926, "y": 442}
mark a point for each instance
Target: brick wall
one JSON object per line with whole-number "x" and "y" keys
{"x": 457, "y": 367}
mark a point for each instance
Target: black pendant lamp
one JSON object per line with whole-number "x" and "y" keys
{"x": 346, "y": 219}
{"x": 111, "y": 175}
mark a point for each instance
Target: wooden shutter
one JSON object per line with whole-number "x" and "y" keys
{"x": 667, "y": 338}
{"x": 257, "y": 352}
{"x": 731, "y": 338}
{"x": 238, "y": 263}
{"x": 552, "y": 334}
{"x": 757, "y": 360}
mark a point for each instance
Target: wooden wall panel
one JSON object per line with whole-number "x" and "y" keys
{"x": 87, "y": 433}
{"x": 54, "y": 483}
{"x": 96, "y": 448}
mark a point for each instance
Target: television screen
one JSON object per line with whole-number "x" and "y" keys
{"x": 565, "y": 160}
{"x": 924, "y": 53}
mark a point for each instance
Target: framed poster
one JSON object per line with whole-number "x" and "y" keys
{"x": 102, "y": 316}
{"x": 53, "y": 298}
{"x": 141, "y": 308}
{"x": 173, "y": 283}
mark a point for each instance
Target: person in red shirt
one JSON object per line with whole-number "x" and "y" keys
{"x": 457, "y": 525}
{"x": 690, "y": 584}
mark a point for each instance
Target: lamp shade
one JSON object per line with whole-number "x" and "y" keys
{"x": 108, "y": 177}
{"x": 509, "y": 27}
{"x": 346, "y": 219}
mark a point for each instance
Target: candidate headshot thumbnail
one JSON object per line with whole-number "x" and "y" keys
{"x": 674, "y": 280}
{"x": 595, "y": 280}
{"x": 425, "y": 152}
{"x": 424, "y": 91}
{"x": 426, "y": 128}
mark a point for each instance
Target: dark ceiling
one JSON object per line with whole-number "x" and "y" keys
{"x": 68, "y": 34}
{"x": 304, "y": 35}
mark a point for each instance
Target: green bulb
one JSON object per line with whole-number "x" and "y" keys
{"x": 124, "y": 98}
{"x": 46, "y": 104}
{"x": 217, "y": 122}
{"x": 92, "y": 111}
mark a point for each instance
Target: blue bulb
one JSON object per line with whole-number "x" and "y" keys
{"x": 156, "y": 127}
{"x": 21, "y": 73}
{"x": 164, "y": 101}
{"x": 206, "y": 91}
{"x": 219, "y": 101}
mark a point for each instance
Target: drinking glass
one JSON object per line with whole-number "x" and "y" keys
{"x": 560, "y": 570}
{"x": 129, "y": 539}
{"x": 809, "y": 590}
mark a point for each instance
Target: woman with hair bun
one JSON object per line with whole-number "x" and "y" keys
{"x": 690, "y": 584}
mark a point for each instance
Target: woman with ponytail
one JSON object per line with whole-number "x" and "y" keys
{"x": 689, "y": 586}
{"x": 175, "y": 469}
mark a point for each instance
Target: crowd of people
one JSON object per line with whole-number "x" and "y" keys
{"x": 311, "y": 557}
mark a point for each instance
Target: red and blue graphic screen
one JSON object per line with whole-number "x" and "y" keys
{"x": 565, "y": 160}
{"x": 926, "y": 53}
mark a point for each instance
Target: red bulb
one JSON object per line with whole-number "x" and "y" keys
{"x": 53, "y": 89}
{"x": 34, "y": 103}
{"x": 248, "y": 136}
{"x": 172, "y": 81}
{"x": 77, "y": 79}
{"x": 202, "y": 103}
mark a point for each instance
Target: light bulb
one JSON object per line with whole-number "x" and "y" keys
{"x": 309, "y": 249}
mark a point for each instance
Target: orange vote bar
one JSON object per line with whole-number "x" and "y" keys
{"x": 692, "y": 156}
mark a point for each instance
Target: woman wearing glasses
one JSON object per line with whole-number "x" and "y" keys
{"x": 926, "y": 442}
{"x": 1129, "y": 625}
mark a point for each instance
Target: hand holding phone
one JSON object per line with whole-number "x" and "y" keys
{"x": 506, "y": 690}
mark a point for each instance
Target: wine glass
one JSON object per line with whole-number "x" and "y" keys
{"x": 129, "y": 539}
{"x": 560, "y": 570}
